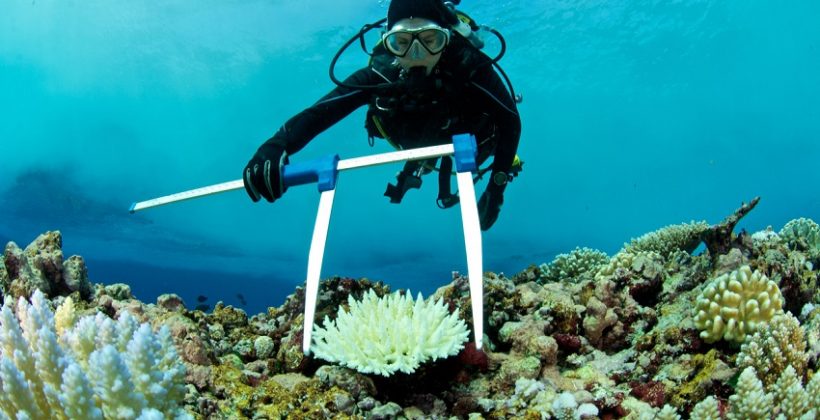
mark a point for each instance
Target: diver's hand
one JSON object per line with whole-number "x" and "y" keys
{"x": 489, "y": 205}
{"x": 263, "y": 174}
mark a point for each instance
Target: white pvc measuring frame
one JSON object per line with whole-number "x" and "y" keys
{"x": 469, "y": 217}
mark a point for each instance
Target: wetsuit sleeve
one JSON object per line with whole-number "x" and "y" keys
{"x": 491, "y": 96}
{"x": 300, "y": 129}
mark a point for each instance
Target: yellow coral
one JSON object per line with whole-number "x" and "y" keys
{"x": 65, "y": 316}
{"x": 735, "y": 304}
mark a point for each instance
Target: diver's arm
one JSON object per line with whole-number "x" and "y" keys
{"x": 300, "y": 129}
{"x": 492, "y": 96}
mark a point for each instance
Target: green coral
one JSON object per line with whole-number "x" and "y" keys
{"x": 735, "y": 304}
{"x": 802, "y": 234}
{"x": 579, "y": 263}
{"x": 667, "y": 240}
{"x": 772, "y": 349}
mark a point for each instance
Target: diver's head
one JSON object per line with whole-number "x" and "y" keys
{"x": 416, "y": 33}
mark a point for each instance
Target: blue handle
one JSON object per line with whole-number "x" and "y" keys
{"x": 322, "y": 171}
{"x": 465, "y": 152}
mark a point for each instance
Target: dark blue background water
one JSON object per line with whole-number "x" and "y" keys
{"x": 637, "y": 114}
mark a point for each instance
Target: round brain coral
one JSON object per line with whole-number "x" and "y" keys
{"x": 734, "y": 305}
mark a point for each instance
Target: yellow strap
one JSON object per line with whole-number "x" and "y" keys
{"x": 382, "y": 131}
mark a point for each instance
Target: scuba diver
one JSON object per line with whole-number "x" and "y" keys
{"x": 426, "y": 81}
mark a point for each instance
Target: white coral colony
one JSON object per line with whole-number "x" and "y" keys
{"x": 389, "y": 334}
{"x": 95, "y": 368}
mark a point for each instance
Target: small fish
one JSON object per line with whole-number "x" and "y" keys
{"x": 201, "y": 298}
{"x": 241, "y": 299}
{"x": 203, "y": 307}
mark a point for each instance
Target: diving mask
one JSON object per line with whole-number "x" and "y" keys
{"x": 400, "y": 41}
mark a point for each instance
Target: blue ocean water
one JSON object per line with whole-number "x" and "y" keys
{"x": 636, "y": 115}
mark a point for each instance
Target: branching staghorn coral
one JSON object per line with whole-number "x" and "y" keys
{"x": 735, "y": 304}
{"x": 389, "y": 334}
{"x": 97, "y": 368}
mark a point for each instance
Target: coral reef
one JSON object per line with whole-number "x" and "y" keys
{"x": 653, "y": 332}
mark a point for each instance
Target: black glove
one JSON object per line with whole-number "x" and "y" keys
{"x": 489, "y": 205}
{"x": 263, "y": 174}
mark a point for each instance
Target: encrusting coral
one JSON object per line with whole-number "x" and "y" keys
{"x": 95, "y": 369}
{"x": 389, "y": 334}
{"x": 735, "y": 304}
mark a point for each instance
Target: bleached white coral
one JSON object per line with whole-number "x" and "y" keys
{"x": 774, "y": 348}
{"x": 669, "y": 239}
{"x": 96, "y": 369}
{"x": 735, "y": 304}
{"x": 564, "y": 407}
{"x": 579, "y": 262}
{"x": 389, "y": 334}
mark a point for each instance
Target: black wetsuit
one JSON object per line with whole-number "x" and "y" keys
{"x": 462, "y": 95}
